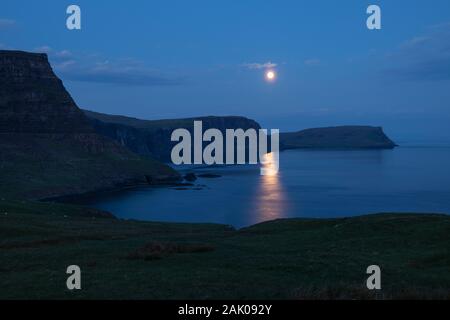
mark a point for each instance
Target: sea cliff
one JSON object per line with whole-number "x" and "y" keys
{"x": 48, "y": 146}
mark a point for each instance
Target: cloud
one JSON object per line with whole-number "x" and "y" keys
{"x": 64, "y": 65}
{"x": 63, "y": 54}
{"x": 312, "y": 62}
{"x": 6, "y": 23}
{"x": 43, "y": 49}
{"x": 258, "y": 66}
{"x": 422, "y": 58}
{"x": 94, "y": 68}
{"x": 128, "y": 71}
{"x": 416, "y": 41}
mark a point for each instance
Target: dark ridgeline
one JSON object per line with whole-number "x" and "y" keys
{"x": 153, "y": 137}
{"x": 48, "y": 146}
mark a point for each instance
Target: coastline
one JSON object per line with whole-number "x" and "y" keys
{"x": 176, "y": 181}
{"x": 73, "y": 197}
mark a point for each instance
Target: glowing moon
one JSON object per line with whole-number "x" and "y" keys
{"x": 271, "y": 75}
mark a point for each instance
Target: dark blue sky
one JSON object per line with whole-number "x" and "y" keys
{"x": 165, "y": 59}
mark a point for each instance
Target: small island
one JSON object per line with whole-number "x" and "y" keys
{"x": 343, "y": 137}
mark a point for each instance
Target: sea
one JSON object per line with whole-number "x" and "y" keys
{"x": 309, "y": 184}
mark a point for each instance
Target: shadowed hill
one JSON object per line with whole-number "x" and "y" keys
{"x": 152, "y": 137}
{"x": 47, "y": 145}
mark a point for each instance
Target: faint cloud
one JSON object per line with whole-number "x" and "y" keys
{"x": 312, "y": 62}
{"x": 125, "y": 71}
{"x": 61, "y": 60}
{"x": 415, "y": 42}
{"x": 88, "y": 67}
{"x": 440, "y": 26}
{"x": 424, "y": 57}
{"x": 258, "y": 66}
{"x": 6, "y": 23}
{"x": 64, "y": 65}
{"x": 63, "y": 54}
{"x": 43, "y": 49}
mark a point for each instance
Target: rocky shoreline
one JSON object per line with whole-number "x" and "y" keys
{"x": 181, "y": 182}
{"x": 75, "y": 197}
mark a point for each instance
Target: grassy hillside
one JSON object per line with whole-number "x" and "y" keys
{"x": 38, "y": 166}
{"x": 301, "y": 258}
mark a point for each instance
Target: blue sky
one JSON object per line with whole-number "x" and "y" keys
{"x": 165, "y": 59}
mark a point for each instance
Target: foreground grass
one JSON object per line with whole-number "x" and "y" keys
{"x": 285, "y": 259}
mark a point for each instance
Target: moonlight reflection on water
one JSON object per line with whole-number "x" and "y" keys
{"x": 270, "y": 196}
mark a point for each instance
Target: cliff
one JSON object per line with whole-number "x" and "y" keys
{"x": 48, "y": 147}
{"x": 152, "y": 137}
{"x": 33, "y": 99}
{"x": 344, "y": 137}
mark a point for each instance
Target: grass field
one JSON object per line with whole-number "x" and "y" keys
{"x": 293, "y": 259}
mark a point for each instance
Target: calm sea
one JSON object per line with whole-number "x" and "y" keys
{"x": 319, "y": 184}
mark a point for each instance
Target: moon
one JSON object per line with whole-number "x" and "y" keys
{"x": 271, "y": 75}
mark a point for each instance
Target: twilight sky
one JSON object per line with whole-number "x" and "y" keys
{"x": 167, "y": 59}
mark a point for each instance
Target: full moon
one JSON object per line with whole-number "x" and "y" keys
{"x": 271, "y": 75}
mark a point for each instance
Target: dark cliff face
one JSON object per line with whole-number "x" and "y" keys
{"x": 153, "y": 137}
{"x": 346, "y": 137}
{"x": 132, "y": 138}
{"x": 48, "y": 147}
{"x": 33, "y": 99}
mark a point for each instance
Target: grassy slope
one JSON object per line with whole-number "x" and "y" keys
{"x": 39, "y": 167}
{"x": 299, "y": 258}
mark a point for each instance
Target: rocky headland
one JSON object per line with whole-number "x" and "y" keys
{"x": 49, "y": 147}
